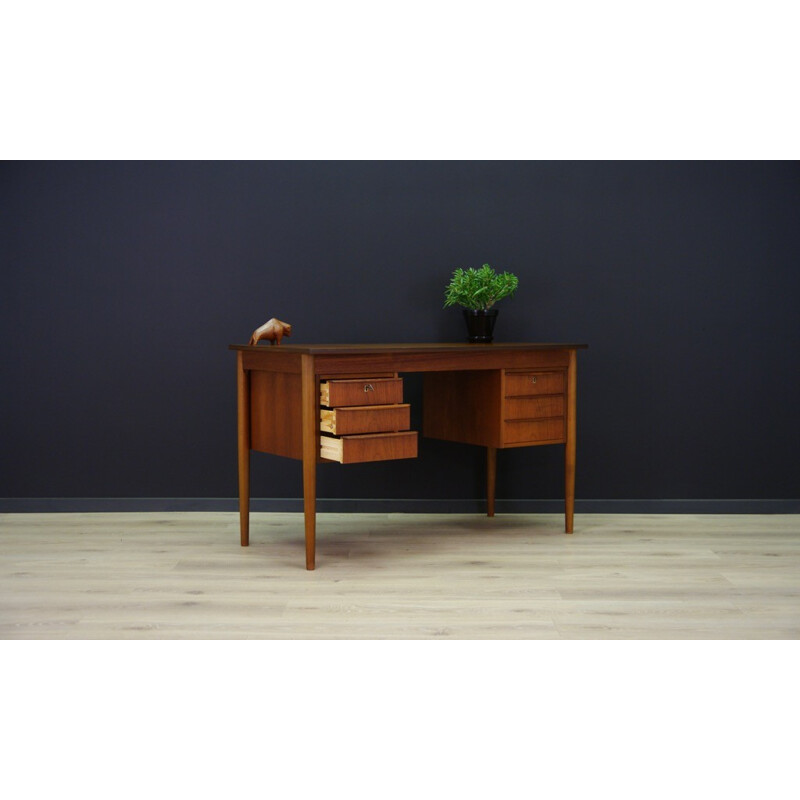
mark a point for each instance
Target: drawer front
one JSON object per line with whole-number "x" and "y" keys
{"x": 369, "y": 447}
{"x": 533, "y": 407}
{"x": 365, "y": 419}
{"x": 362, "y": 392}
{"x": 520, "y": 384}
{"x": 537, "y": 430}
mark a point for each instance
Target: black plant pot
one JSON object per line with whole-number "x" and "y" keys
{"x": 480, "y": 324}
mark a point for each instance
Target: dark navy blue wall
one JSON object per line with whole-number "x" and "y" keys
{"x": 123, "y": 284}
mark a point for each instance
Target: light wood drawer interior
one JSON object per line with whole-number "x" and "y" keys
{"x": 361, "y": 392}
{"x": 369, "y": 447}
{"x": 533, "y": 430}
{"x": 551, "y": 405}
{"x": 522, "y": 384}
{"x": 365, "y": 419}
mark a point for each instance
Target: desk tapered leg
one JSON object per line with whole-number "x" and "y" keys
{"x": 569, "y": 456}
{"x": 310, "y": 400}
{"x": 243, "y": 403}
{"x": 491, "y": 479}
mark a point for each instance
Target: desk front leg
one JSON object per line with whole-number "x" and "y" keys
{"x": 491, "y": 479}
{"x": 243, "y": 425}
{"x": 569, "y": 455}
{"x": 310, "y": 422}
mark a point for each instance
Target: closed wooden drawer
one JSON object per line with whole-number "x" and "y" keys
{"x": 536, "y": 430}
{"x": 520, "y": 384}
{"x": 365, "y": 419}
{"x": 369, "y": 447}
{"x": 362, "y": 392}
{"x": 533, "y": 407}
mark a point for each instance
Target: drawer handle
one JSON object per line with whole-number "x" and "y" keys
{"x": 533, "y": 379}
{"x": 368, "y": 387}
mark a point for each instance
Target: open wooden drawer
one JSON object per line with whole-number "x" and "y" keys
{"x": 365, "y": 419}
{"x": 369, "y": 447}
{"x": 361, "y": 392}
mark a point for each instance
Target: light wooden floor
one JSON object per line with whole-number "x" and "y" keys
{"x": 399, "y": 576}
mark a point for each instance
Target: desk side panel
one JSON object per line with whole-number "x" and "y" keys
{"x": 275, "y": 413}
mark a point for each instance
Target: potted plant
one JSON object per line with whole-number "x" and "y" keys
{"x": 477, "y": 290}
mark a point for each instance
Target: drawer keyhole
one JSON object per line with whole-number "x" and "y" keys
{"x": 368, "y": 388}
{"x": 533, "y": 379}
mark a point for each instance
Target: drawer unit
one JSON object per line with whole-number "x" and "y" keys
{"x": 361, "y": 392}
{"x": 365, "y": 419}
{"x": 534, "y": 407}
{"x": 496, "y": 408}
{"x": 522, "y": 384}
{"x": 533, "y": 430}
{"x": 369, "y": 447}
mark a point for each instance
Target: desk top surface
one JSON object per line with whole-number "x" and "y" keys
{"x": 436, "y": 347}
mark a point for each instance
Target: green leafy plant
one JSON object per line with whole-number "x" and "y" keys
{"x": 479, "y": 288}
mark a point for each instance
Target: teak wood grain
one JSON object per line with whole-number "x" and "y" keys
{"x": 473, "y": 407}
{"x": 414, "y": 361}
{"x": 309, "y": 401}
{"x": 275, "y": 413}
{"x": 533, "y": 407}
{"x": 463, "y": 406}
{"x": 361, "y": 392}
{"x": 365, "y": 419}
{"x": 423, "y": 348}
{"x": 466, "y": 398}
{"x": 491, "y": 479}
{"x": 336, "y": 358}
{"x": 533, "y": 431}
{"x": 243, "y": 442}
{"x": 362, "y": 448}
{"x": 525, "y": 384}
{"x": 569, "y": 453}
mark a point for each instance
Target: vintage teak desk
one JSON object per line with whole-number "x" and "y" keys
{"x": 344, "y": 403}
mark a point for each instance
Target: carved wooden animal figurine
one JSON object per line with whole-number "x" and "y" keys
{"x": 273, "y": 331}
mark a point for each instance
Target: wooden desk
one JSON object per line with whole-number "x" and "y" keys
{"x": 495, "y": 396}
